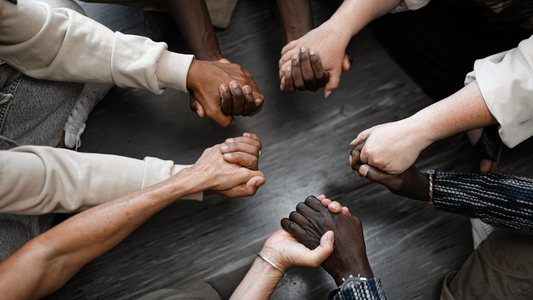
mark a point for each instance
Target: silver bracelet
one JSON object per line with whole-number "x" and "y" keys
{"x": 271, "y": 263}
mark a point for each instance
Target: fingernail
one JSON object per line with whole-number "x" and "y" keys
{"x": 353, "y": 142}
{"x": 257, "y": 102}
{"x": 330, "y": 236}
{"x": 288, "y": 69}
{"x": 294, "y": 57}
{"x": 229, "y": 141}
{"x": 224, "y": 148}
{"x": 224, "y": 89}
{"x": 327, "y": 94}
{"x": 247, "y": 89}
{"x": 246, "y": 135}
{"x": 234, "y": 85}
{"x": 259, "y": 184}
{"x": 302, "y": 50}
{"x": 363, "y": 170}
{"x": 312, "y": 52}
{"x": 280, "y": 87}
{"x": 198, "y": 112}
{"x": 227, "y": 155}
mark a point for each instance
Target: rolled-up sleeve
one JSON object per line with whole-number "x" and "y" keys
{"x": 506, "y": 83}
{"x": 406, "y": 5}
{"x": 63, "y": 45}
{"x": 39, "y": 180}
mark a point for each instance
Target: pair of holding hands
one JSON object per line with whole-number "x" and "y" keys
{"x": 231, "y": 168}
{"x": 221, "y": 90}
{"x": 317, "y": 234}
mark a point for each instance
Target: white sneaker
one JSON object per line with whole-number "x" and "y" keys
{"x": 91, "y": 94}
{"x": 480, "y": 231}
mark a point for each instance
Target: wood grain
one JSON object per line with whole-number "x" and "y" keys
{"x": 306, "y": 139}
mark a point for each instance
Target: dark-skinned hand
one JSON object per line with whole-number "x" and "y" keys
{"x": 205, "y": 79}
{"x": 243, "y": 151}
{"x": 411, "y": 183}
{"x": 312, "y": 219}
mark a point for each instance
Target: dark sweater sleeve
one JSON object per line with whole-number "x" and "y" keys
{"x": 497, "y": 199}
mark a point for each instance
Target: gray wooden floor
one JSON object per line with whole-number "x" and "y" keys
{"x": 306, "y": 139}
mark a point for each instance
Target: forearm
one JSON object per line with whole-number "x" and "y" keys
{"x": 259, "y": 283}
{"x": 296, "y": 17}
{"x": 497, "y": 199}
{"x": 192, "y": 17}
{"x": 44, "y": 179}
{"x": 354, "y": 15}
{"x": 462, "y": 111}
{"x": 48, "y": 261}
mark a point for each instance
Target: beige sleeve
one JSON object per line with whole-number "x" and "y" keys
{"x": 63, "y": 45}
{"x": 506, "y": 83}
{"x": 406, "y": 5}
{"x": 38, "y": 180}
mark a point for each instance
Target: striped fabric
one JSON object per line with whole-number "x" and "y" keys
{"x": 368, "y": 289}
{"x": 497, "y": 199}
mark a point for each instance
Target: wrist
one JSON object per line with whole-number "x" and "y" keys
{"x": 190, "y": 180}
{"x": 354, "y": 271}
{"x": 276, "y": 259}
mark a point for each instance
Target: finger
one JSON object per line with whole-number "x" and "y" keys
{"x": 243, "y": 159}
{"x": 240, "y": 147}
{"x": 321, "y": 197}
{"x": 306, "y": 211}
{"x": 289, "y": 85}
{"x": 258, "y": 104}
{"x": 284, "y": 68}
{"x": 326, "y": 202}
{"x": 346, "y": 211}
{"x": 246, "y": 189}
{"x": 363, "y": 135}
{"x": 355, "y": 155}
{"x": 335, "y": 207}
{"x": 282, "y": 83}
{"x": 238, "y": 98}
{"x": 249, "y": 101}
{"x": 227, "y": 100}
{"x": 253, "y": 137}
{"x": 321, "y": 76}
{"x": 317, "y": 256}
{"x": 314, "y": 203}
{"x": 297, "y": 73}
{"x": 196, "y": 106}
{"x": 347, "y": 62}
{"x": 333, "y": 83}
{"x": 307, "y": 71}
{"x": 288, "y": 47}
{"x": 307, "y": 238}
{"x": 245, "y": 140}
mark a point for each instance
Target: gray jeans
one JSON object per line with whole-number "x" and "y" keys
{"x": 32, "y": 112}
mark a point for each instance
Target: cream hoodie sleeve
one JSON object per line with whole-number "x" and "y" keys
{"x": 39, "y": 180}
{"x": 63, "y": 45}
{"x": 506, "y": 83}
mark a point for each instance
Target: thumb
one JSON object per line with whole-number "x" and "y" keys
{"x": 376, "y": 175}
{"x": 333, "y": 83}
{"x": 347, "y": 62}
{"x": 255, "y": 182}
{"x": 363, "y": 135}
{"x": 196, "y": 106}
{"x": 322, "y": 252}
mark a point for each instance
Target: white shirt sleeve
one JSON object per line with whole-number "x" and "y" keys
{"x": 63, "y": 45}
{"x": 406, "y": 5}
{"x": 506, "y": 83}
{"x": 39, "y": 180}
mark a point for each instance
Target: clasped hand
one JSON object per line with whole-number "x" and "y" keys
{"x": 221, "y": 90}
